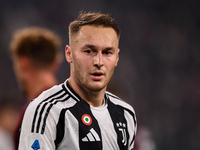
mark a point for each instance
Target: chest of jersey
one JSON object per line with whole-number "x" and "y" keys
{"x": 82, "y": 127}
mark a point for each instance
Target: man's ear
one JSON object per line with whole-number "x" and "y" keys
{"x": 117, "y": 57}
{"x": 22, "y": 67}
{"x": 68, "y": 54}
{"x": 25, "y": 65}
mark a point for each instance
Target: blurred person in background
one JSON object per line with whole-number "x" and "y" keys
{"x": 80, "y": 113}
{"x": 144, "y": 139}
{"x": 8, "y": 120}
{"x": 36, "y": 59}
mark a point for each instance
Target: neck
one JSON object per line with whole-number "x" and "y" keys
{"x": 94, "y": 98}
{"x": 40, "y": 82}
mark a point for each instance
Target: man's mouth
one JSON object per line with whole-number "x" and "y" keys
{"x": 97, "y": 75}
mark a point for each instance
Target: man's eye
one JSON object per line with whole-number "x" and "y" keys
{"x": 88, "y": 51}
{"x": 107, "y": 52}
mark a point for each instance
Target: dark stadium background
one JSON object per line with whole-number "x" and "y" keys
{"x": 159, "y": 68}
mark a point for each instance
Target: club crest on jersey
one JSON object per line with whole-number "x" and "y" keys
{"x": 122, "y": 128}
{"x": 87, "y": 120}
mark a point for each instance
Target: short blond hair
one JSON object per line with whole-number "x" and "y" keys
{"x": 93, "y": 19}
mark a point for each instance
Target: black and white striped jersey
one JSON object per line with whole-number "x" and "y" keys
{"x": 60, "y": 120}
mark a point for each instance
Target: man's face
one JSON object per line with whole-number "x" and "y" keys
{"x": 94, "y": 56}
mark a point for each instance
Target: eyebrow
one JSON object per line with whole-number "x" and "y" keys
{"x": 95, "y": 47}
{"x": 89, "y": 46}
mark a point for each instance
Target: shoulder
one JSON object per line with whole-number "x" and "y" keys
{"x": 47, "y": 99}
{"x": 118, "y": 101}
{"x": 54, "y": 99}
{"x": 47, "y": 108}
{"x": 54, "y": 92}
{"x": 128, "y": 110}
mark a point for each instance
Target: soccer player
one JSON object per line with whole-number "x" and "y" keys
{"x": 36, "y": 59}
{"x": 80, "y": 114}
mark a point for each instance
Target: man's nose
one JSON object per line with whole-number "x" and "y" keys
{"x": 98, "y": 60}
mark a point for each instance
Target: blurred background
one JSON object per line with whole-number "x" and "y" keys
{"x": 159, "y": 68}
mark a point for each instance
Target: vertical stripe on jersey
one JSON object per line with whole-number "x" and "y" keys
{"x": 48, "y": 110}
{"x": 135, "y": 123}
{"x": 78, "y": 110}
{"x": 81, "y": 108}
{"x": 51, "y": 102}
{"x": 60, "y": 128}
{"x": 132, "y": 114}
{"x": 120, "y": 125}
{"x": 36, "y": 111}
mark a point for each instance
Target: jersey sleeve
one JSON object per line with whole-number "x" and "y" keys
{"x": 34, "y": 133}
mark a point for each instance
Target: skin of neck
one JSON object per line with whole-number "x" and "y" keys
{"x": 38, "y": 82}
{"x": 94, "y": 98}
